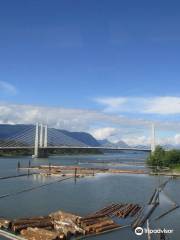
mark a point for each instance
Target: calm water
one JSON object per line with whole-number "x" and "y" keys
{"x": 88, "y": 194}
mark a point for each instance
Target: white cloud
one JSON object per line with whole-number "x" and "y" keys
{"x": 146, "y": 140}
{"x": 137, "y": 140}
{"x": 104, "y": 133}
{"x": 8, "y": 88}
{"x": 112, "y": 103}
{"x": 101, "y": 125}
{"x": 163, "y": 105}
{"x": 62, "y": 117}
{"x": 177, "y": 139}
{"x": 150, "y": 105}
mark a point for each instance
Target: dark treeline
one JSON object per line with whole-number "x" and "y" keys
{"x": 61, "y": 151}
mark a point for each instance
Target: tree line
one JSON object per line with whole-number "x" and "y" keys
{"x": 163, "y": 158}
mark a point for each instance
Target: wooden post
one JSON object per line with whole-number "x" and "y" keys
{"x": 75, "y": 174}
{"x": 18, "y": 165}
{"x": 49, "y": 168}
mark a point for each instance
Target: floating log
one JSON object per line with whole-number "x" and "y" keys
{"x": 106, "y": 228}
{"x": 101, "y": 224}
{"x": 118, "y": 210}
{"x": 135, "y": 211}
{"x": 144, "y": 215}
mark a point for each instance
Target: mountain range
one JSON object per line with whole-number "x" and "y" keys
{"x": 62, "y": 136}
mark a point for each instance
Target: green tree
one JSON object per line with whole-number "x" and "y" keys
{"x": 157, "y": 157}
{"x": 163, "y": 158}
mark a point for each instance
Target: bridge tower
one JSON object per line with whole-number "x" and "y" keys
{"x": 153, "y": 142}
{"x": 36, "y": 145}
{"x": 41, "y": 136}
{"x": 45, "y": 136}
{"x": 40, "y": 144}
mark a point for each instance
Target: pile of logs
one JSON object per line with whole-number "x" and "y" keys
{"x": 62, "y": 225}
{"x": 41, "y": 234}
{"x": 128, "y": 210}
{"x": 40, "y": 222}
{"x": 118, "y": 210}
{"x": 97, "y": 224}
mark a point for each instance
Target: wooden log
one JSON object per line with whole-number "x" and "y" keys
{"x": 135, "y": 211}
{"x": 111, "y": 208}
{"x": 122, "y": 211}
{"x": 93, "y": 221}
{"x": 40, "y": 224}
{"x": 98, "y": 225}
{"x": 128, "y": 210}
{"x": 115, "y": 210}
{"x": 101, "y": 211}
{"x": 93, "y": 218}
{"x": 144, "y": 215}
{"x": 29, "y": 220}
{"x": 41, "y": 234}
{"x": 105, "y": 228}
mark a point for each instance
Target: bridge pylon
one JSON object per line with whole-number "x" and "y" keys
{"x": 40, "y": 145}
{"x": 153, "y": 142}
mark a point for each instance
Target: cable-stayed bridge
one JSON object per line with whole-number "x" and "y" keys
{"x": 42, "y": 139}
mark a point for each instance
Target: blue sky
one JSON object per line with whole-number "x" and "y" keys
{"x": 116, "y": 58}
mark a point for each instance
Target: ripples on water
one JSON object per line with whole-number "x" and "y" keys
{"x": 88, "y": 194}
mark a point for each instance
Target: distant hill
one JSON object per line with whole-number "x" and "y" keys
{"x": 8, "y": 130}
{"x": 74, "y": 138}
{"x": 83, "y": 137}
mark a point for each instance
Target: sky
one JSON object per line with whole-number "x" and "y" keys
{"x": 108, "y": 67}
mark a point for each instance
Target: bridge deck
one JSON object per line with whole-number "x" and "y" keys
{"x": 77, "y": 147}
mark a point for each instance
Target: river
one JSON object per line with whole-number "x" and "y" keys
{"x": 88, "y": 194}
